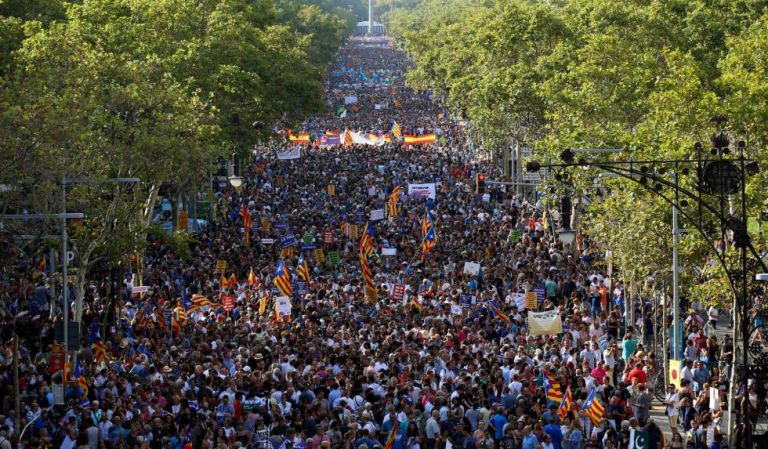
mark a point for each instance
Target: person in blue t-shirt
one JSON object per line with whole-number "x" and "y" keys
{"x": 498, "y": 421}
{"x": 554, "y": 431}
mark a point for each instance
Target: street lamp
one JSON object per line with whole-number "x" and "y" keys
{"x": 718, "y": 175}
{"x": 236, "y": 181}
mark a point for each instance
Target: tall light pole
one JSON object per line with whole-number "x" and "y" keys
{"x": 370, "y": 17}
{"x": 676, "y": 336}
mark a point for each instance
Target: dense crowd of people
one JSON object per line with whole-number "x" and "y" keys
{"x": 448, "y": 362}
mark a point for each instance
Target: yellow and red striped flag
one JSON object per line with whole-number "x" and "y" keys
{"x": 283, "y": 279}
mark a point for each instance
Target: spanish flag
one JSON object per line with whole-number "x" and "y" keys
{"x": 301, "y": 138}
{"x": 426, "y": 139}
{"x": 251, "y": 278}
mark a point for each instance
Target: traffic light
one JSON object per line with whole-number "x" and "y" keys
{"x": 480, "y": 183}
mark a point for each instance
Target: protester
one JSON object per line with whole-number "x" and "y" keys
{"x": 432, "y": 349}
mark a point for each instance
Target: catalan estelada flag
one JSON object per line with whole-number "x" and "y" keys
{"x": 392, "y": 208}
{"x": 81, "y": 381}
{"x": 392, "y": 435}
{"x": 566, "y": 405}
{"x": 246, "y": 214}
{"x": 498, "y": 313}
{"x": 370, "y": 287}
{"x": 301, "y": 138}
{"x": 428, "y": 243}
{"x": 198, "y": 302}
{"x": 303, "y": 269}
{"x": 426, "y": 139}
{"x": 289, "y": 252}
{"x": 366, "y": 241}
{"x": 347, "y": 139}
{"x": 283, "y": 279}
{"x": 593, "y": 409}
{"x": 396, "y": 130}
{"x": 552, "y": 388}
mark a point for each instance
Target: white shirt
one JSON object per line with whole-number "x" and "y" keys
{"x": 672, "y": 409}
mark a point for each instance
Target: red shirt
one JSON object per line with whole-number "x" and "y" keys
{"x": 639, "y": 374}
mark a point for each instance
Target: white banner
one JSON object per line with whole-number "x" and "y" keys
{"x": 377, "y": 214}
{"x": 422, "y": 190}
{"x": 472, "y": 268}
{"x": 290, "y": 154}
{"x": 350, "y": 99}
{"x": 544, "y": 323}
{"x": 283, "y": 305}
{"x": 388, "y": 251}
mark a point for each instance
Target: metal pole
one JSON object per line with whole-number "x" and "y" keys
{"x": 64, "y": 269}
{"x": 370, "y": 16}
{"x": 16, "y": 392}
{"x": 675, "y": 277}
{"x": 51, "y": 272}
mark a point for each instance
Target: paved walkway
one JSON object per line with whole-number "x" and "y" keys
{"x": 657, "y": 409}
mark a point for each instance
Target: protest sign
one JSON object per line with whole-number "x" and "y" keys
{"x": 544, "y": 323}
{"x": 472, "y": 268}
{"x": 283, "y": 305}
{"x": 333, "y": 258}
{"x": 398, "y": 292}
{"x": 289, "y": 155}
{"x": 531, "y": 301}
{"x": 519, "y": 300}
{"x": 228, "y": 302}
{"x": 377, "y": 214}
{"x": 422, "y": 190}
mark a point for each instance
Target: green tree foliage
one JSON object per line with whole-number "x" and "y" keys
{"x": 643, "y": 75}
{"x": 154, "y": 89}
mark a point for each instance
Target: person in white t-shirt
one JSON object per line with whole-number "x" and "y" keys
{"x": 672, "y": 401}
{"x": 713, "y": 315}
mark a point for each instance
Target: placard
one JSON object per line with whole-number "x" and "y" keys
{"x": 139, "y": 289}
{"x": 228, "y": 303}
{"x": 422, "y": 190}
{"x": 377, "y": 214}
{"x": 327, "y": 236}
{"x": 300, "y": 288}
{"x": 318, "y": 256}
{"x": 283, "y": 305}
{"x": 472, "y": 268}
{"x": 398, "y": 292}
{"x": 449, "y": 268}
{"x": 456, "y": 309}
{"x": 333, "y": 258}
{"x": 331, "y": 189}
{"x": 531, "y": 300}
{"x": 467, "y": 301}
{"x": 221, "y": 266}
{"x": 519, "y": 300}
{"x": 267, "y": 241}
{"x": 354, "y": 232}
{"x": 388, "y": 251}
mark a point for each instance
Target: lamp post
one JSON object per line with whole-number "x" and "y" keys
{"x": 717, "y": 176}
